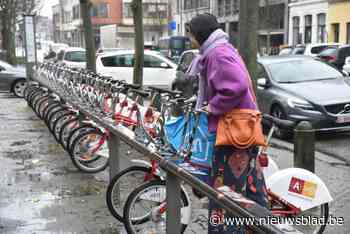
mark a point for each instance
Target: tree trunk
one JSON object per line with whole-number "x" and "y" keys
{"x": 268, "y": 27}
{"x": 248, "y": 38}
{"x": 85, "y": 6}
{"x": 8, "y": 38}
{"x": 137, "y": 12}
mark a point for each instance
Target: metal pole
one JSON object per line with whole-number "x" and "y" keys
{"x": 173, "y": 199}
{"x": 114, "y": 156}
{"x": 304, "y": 146}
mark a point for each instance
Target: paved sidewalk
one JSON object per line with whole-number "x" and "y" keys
{"x": 42, "y": 192}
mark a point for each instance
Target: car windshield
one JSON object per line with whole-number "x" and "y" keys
{"x": 75, "y": 56}
{"x": 298, "y": 50}
{"x": 328, "y": 52}
{"x": 285, "y": 51}
{"x": 302, "y": 71}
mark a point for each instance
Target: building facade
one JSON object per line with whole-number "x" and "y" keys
{"x": 307, "y": 21}
{"x": 339, "y": 21}
{"x": 272, "y": 27}
{"x": 68, "y": 25}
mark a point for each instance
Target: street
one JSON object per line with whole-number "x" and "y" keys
{"x": 42, "y": 192}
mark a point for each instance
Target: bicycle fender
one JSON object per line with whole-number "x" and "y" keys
{"x": 299, "y": 187}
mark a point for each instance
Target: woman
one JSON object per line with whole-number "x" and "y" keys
{"x": 224, "y": 84}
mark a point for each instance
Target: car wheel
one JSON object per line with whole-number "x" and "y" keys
{"x": 278, "y": 112}
{"x": 19, "y": 87}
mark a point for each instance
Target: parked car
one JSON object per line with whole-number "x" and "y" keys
{"x": 346, "y": 67}
{"x": 336, "y": 56}
{"x": 286, "y": 50}
{"x": 301, "y": 88}
{"x": 157, "y": 71}
{"x": 72, "y": 57}
{"x": 312, "y": 49}
{"x": 12, "y": 79}
{"x": 103, "y": 50}
{"x": 186, "y": 86}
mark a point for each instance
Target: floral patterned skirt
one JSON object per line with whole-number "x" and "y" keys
{"x": 239, "y": 170}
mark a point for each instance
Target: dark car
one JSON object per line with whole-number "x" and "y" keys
{"x": 12, "y": 79}
{"x": 188, "y": 87}
{"x": 336, "y": 56}
{"x": 301, "y": 88}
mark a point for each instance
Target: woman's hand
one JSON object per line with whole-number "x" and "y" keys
{"x": 206, "y": 109}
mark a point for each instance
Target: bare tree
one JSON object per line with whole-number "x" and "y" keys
{"x": 137, "y": 12}
{"x": 248, "y": 26}
{"x": 85, "y": 6}
{"x": 10, "y": 12}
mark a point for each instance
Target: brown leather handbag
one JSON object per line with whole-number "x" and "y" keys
{"x": 241, "y": 128}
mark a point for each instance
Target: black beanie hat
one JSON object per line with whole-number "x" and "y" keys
{"x": 202, "y": 25}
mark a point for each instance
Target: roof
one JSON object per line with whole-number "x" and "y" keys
{"x": 282, "y": 58}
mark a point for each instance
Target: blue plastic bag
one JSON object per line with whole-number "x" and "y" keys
{"x": 203, "y": 142}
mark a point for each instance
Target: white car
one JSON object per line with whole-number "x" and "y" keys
{"x": 72, "y": 57}
{"x": 157, "y": 70}
{"x": 313, "y": 49}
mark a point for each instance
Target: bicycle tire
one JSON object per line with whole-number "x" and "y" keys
{"x": 128, "y": 224}
{"x": 86, "y": 165}
{"x": 118, "y": 214}
{"x": 57, "y": 125}
{"x": 65, "y": 131}
{"x": 54, "y": 117}
{"x": 75, "y": 133}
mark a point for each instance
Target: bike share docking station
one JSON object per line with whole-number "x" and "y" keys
{"x": 175, "y": 175}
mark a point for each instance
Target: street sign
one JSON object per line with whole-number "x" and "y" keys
{"x": 172, "y": 25}
{"x": 30, "y": 38}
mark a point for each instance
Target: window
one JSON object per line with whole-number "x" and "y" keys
{"x": 261, "y": 73}
{"x": 127, "y": 12}
{"x": 75, "y": 56}
{"x": 102, "y": 10}
{"x": 321, "y": 27}
{"x": 221, "y": 8}
{"x": 335, "y": 29}
{"x": 152, "y": 62}
{"x": 125, "y": 60}
{"x": 228, "y": 7}
{"x": 296, "y": 25}
{"x": 308, "y": 29}
{"x": 348, "y": 33}
{"x": 76, "y": 12}
{"x": 191, "y": 4}
{"x": 203, "y": 3}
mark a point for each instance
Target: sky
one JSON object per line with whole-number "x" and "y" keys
{"x": 47, "y": 9}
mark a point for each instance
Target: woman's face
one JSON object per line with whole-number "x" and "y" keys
{"x": 194, "y": 42}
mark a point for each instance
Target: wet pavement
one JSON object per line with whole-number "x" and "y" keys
{"x": 42, "y": 192}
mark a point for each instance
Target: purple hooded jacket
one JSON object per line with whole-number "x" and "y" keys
{"x": 227, "y": 83}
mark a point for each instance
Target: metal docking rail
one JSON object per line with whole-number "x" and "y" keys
{"x": 175, "y": 174}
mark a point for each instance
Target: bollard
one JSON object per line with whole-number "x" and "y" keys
{"x": 173, "y": 199}
{"x": 304, "y": 146}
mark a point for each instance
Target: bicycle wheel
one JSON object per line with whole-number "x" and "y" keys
{"x": 39, "y": 103}
{"x": 75, "y": 133}
{"x": 142, "y": 209}
{"x": 320, "y": 213}
{"x": 52, "y": 112}
{"x": 90, "y": 152}
{"x": 56, "y": 116}
{"x": 126, "y": 180}
{"x": 66, "y": 129}
{"x": 49, "y": 108}
{"x": 57, "y": 125}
